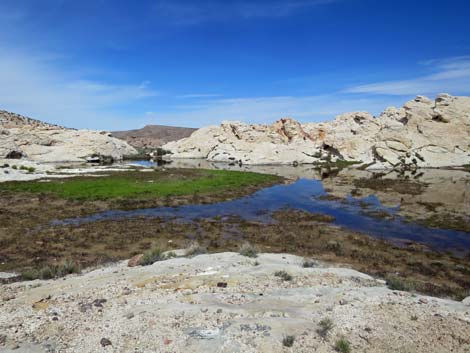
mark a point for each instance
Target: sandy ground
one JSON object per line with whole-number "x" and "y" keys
{"x": 225, "y": 303}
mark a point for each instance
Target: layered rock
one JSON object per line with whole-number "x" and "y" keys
{"x": 22, "y": 137}
{"x": 423, "y": 133}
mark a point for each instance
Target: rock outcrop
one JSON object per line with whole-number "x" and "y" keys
{"x": 226, "y": 303}
{"x": 423, "y": 133}
{"x": 22, "y": 137}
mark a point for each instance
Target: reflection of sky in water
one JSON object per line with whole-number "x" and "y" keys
{"x": 303, "y": 195}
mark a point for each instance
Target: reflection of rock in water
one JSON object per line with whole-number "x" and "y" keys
{"x": 306, "y": 171}
{"x": 438, "y": 198}
{"x": 435, "y": 197}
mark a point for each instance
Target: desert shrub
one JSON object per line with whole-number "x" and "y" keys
{"x": 248, "y": 250}
{"x": 283, "y": 275}
{"x": 154, "y": 255}
{"x": 288, "y": 341}
{"x": 324, "y": 326}
{"x": 52, "y": 271}
{"x": 398, "y": 283}
{"x": 343, "y": 346}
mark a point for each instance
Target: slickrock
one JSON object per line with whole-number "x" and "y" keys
{"x": 177, "y": 306}
{"x": 423, "y": 133}
{"x": 22, "y": 137}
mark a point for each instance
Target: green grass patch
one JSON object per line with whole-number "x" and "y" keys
{"x": 143, "y": 185}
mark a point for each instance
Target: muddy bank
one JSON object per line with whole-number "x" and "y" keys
{"x": 295, "y": 232}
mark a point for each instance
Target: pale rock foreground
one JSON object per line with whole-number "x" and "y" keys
{"x": 22, "y": 137}
{"x": 422, "y": 134}
{"x": 225, "y": 303}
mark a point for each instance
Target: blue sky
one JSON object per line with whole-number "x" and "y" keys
{"x": 116, "y": 64}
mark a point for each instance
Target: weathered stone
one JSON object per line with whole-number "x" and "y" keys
{"x": 38, "y": 141}
{"x": 423, "y": 133}
{"x": 135, "y": 261}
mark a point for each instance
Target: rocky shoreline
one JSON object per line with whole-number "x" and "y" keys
{"x": 422, "y": 134}
{"x": 226, "y": 303}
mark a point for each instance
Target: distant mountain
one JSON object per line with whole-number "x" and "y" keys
{"x": 152, "y": 136}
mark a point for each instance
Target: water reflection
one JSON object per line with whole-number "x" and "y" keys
{"x": 391, "y": 206}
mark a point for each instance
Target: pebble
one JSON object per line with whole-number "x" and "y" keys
{"x": 105, "y": 342}
{"x": 130, "y": 316}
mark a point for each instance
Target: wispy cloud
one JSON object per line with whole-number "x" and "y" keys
{"x": 268, "y": 109}
{"x": 182, "y": 12}
{"x": 448, "y": 75}
{"x": 35, "y": 86}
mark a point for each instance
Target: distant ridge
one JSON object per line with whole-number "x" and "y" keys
{"x": 152, "y": 136}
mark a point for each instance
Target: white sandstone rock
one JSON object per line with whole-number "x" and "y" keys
{"x": 41, "y": 142}
{"x": 423, "y": 133}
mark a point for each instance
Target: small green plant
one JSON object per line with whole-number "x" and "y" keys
{"x": 288, "y": 341}
{"x": 325, "y": 326}
{"x": 308, "y": 263}
{"x": 343, "y": 346}
{"x": 154, "y": 255}
{"x": 195, "y": 249}
{"x": 248, "y": 250}
{"x": 15, "y": 167}
{"x": 283, "y": 275}
{"x": 414, "y": 317}
{"x": 28, "y": 169}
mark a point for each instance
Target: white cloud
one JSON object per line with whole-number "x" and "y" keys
{"x": 37, "y": 87}
{"x": 34, "y": 87}
{"x": 448, "y": 75}
{"x": 269, "y": 109}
